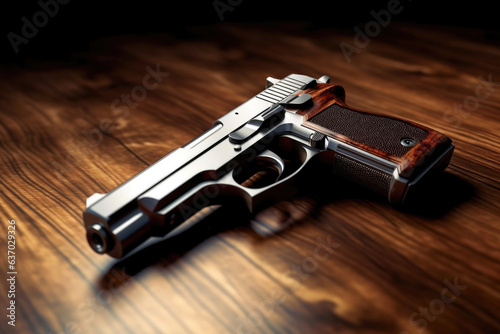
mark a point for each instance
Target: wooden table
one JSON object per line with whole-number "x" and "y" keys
{"x": 333, "y": 259}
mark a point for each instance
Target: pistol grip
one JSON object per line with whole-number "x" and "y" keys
{"x": 413, "y": 148}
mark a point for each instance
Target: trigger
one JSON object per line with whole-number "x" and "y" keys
{"x": 275, "y": 159}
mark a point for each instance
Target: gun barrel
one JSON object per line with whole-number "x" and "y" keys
{"x": 122, "y": 236}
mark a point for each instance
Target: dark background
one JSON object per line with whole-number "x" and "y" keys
{"x": 79, "y": 22}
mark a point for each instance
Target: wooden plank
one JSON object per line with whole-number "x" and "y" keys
{"x": 274, "y": 272}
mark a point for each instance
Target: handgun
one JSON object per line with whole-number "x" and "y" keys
{"x": 257, "y": 153}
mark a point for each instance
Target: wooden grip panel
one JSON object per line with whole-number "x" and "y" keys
{"x": 380, "y": 132}
{"x": 385, "y": 136}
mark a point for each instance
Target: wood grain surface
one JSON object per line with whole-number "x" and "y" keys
{"x": 333, "y": 259}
